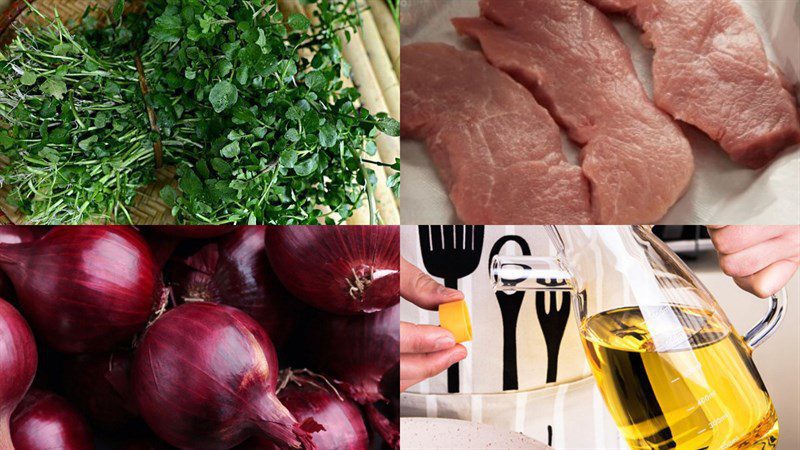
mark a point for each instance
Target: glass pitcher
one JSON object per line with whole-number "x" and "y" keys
{"x": 671, "y": 368}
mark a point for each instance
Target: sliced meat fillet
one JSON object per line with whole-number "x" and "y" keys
{"x": 710, "y": 69}
{"x": 497, "y": 151}
{"x": 569, "y": 55}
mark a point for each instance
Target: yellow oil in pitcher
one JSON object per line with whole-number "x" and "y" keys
{"x": 698, "y": 391}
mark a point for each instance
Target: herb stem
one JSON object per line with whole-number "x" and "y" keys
{"x": 369, "y": 187}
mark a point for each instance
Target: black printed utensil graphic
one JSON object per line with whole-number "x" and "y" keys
{"x": 510, "y": 304}
{"x": 451, "y": 252}
{"x": 553, "y": 321}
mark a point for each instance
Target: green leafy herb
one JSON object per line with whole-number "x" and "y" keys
{"x": 223, "y": 95}
{"x": 67, "y": 164}
{"x": 253, "y": 114}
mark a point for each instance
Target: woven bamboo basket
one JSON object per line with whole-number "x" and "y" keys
{"x": 375, "y": 79}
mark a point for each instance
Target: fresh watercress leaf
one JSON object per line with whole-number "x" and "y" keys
{"x": 298, "y": 22}
{"x": 28, "y": 78}
{"x": 221, "y": 167}
{"x": 307, "y": 166}
{"x": 119, "y": 8}
{"x": 292, "y": 135}
{"x": 223, "y": 95}
{"x": 63, "y": 49}
{"x": 388, "y": 125}
{"x": 54, "y": 87}
{"x": 231, "y": 150}
{"x": 393, "y": 182}
{"x": 87, "y": 143}
{"x": 315, "y": 80}
{"x": 327, "y": 136}
{"x": 169, "y": 195}
{"x": 167, "y": 28}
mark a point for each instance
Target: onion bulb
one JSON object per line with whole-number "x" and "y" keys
{"x": 84, "y": 288}
{"x": 343, "y": 270}
{"x": 45, "y": 421}
{"x": 311, "y": 396}
{"x": 363, "y": 354}
{"x": 204, "y": 377}
{"x": 18, "y": 362}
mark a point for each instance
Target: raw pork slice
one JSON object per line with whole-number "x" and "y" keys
{"x": 571, "y": 57}
{"x": 710, "y": 70}
{"x": 497, "y": 151}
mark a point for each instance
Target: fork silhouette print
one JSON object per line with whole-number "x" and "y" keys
{"x": 510, "y": 305}
{"x": 553, "y": 321}
{"x": 451, "y": 252}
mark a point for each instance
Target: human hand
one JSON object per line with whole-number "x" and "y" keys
{"x": 425, "y": 350}
{"x": 761, "y": 259}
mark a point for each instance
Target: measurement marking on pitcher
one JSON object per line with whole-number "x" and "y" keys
{"x": 718, "y": 420}
{"x": 702, "y": 401}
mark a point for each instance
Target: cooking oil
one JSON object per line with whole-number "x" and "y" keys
{"x": 692, "y": 387}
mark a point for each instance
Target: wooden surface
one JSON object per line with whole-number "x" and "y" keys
{"x": 149, "y": 209}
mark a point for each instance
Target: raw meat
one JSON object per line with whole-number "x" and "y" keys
{"x": 571, "y": 57}
{"x": 497, "y": 151}
{"x": 710, "y": 70}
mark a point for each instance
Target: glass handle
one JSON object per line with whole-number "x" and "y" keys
{"x": 529, "y": 273}
{"x": 764, "y": 329}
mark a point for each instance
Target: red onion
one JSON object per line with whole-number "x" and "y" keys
{"x": 45, "y": 421}
{"x": 84, "y": 288}
{"x": 99, "y": 385}
{"x": 359, "y": 351}
{"x": 311, "y": 396}
{"x": 17, "y": 366}
{"x": 235, "y": 271}
{"x": 204, "y": 377}
{"x": 363, "y": 354}
{"x": 15, "y": 234}
{"x": 343, "y": 270}
{"x": 192, "y": 231}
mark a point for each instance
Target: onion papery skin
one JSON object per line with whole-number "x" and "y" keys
{"x": 235, "y": 271}
{"x": 99, "y": 386}
{"x": 192, "y": 231}
{"x": 45, "y": 421}
{"x": 204, "y": 377}
{"x": 361, "y": 352}
{"x": 343, "y": 270}
{"x": 18, "y": 361}
{"x": 84, "y": 289}
{"x": 309, "y": 397}
{"x": 385, "y": 417}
